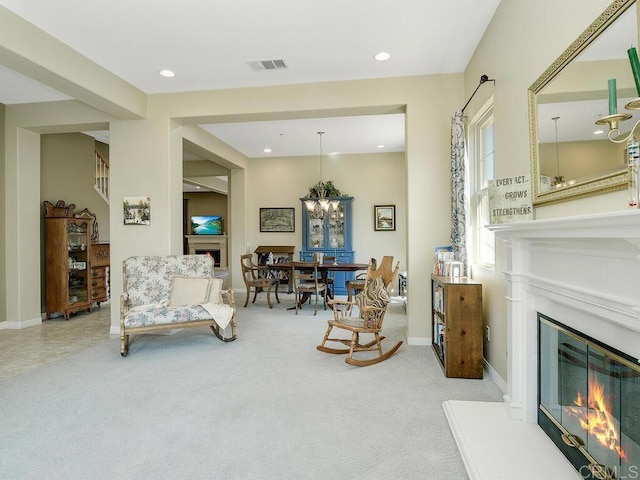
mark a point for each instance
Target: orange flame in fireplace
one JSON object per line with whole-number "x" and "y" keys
{"x": 596, "y": 417}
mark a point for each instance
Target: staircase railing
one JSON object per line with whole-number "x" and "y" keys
{"x": 101, "y": 181}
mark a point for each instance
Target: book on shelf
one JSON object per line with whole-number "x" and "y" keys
{"x": 437, "y": 327}
{"x": 438, "y": 303}
{"x": 440, "y": 342}
{"x": 443, "y": 256}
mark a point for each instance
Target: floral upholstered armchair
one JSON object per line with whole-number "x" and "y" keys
{"x": 173, "y": 292}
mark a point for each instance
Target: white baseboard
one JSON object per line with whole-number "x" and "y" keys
{"x": 493, "y": 375}
{"x": 419, "y": 340}
{"x": 20, "y": 324}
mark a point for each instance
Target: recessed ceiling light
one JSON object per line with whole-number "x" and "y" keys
{"x": 382, "y": 56}
{"x": 267, "y": 150}
{"x": 379, "y": 146}
{"x": 167, "y": 73}
{"x": 598, "y": 132}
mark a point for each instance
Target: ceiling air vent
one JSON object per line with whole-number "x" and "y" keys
{"x": 263, "y": 65}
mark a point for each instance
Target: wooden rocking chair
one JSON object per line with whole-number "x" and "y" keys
{"x": 371, "y": 306}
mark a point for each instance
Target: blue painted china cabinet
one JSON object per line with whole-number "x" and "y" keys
{"x": 331, "y": 235}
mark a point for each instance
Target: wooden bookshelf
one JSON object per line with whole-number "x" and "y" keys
{"x": 456, "y": 325}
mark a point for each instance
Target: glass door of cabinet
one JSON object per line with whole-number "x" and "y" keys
{"x": 316, "y": 232}
{"x": 328, "y": 231}
{"x": 335, "y": 227}
{"x": 77, "y": 245}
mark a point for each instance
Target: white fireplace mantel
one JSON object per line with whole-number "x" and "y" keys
{"x": 583, "y": 271}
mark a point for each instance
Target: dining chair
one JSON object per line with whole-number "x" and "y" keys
{"x": 306, "y": 283}
{"x": 328, "y": 278}
{"x": 258, "y": 278}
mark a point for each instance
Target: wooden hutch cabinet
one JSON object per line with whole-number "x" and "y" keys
{"x": 456, "y": 325}
{"x": 99, "y": 271}
{"x": 67, "y": 250}
{"x": 331, "y": 235}
{"x": 76, "y": 270}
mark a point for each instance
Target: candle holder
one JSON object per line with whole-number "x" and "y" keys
{"x": 633, "y": 104}
{"x": 612, "y": 121}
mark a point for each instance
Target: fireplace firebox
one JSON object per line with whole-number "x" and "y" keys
{"x": 215, "y": 254}
{"x": 216, "y": 245}
{"x": 589, "y": 401}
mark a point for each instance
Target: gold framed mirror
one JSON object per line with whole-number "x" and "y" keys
{"x": 569, "y": 159}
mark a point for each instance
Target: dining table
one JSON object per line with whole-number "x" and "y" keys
{"x": 323, "y": 269}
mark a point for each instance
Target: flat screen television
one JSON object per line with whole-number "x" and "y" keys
{"x": 206, "y": 225}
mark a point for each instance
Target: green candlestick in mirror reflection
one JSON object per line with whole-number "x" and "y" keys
{"x": 635, "y": 67}
{"x": 613, "y": 97}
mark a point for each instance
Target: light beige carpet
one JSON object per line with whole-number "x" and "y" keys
{"x": 267, "y": 406}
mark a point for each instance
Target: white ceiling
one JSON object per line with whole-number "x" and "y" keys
{"x": 209, "y": 42}
{"x": 343, "y": 135}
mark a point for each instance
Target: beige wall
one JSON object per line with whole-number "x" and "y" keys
{"x": 67, "y": 173}
{"x": 372, "y": 179}
{"x": 141, "y": 147}
{"x": 103, "y": 149}
{"x": 23, "y": 127}
{"x": 206, "y": 203}
{"x": 523, "y": 39}
{"x": 147, "y": 134}
{"x": 581, "y": 159}
{"x": 3, "y": 298}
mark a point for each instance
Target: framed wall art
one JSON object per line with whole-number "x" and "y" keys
{"x": 277, "y": 220}
{"x": 136, "y": 210}
{"x": 384, "y": 218}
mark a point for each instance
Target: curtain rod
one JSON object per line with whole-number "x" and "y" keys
{"x": 483, "y": 79}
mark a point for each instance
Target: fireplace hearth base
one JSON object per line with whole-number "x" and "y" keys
{"x": 511, "y": 450}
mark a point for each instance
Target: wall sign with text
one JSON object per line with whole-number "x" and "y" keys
{"x": 510, "y": 199}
